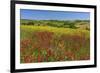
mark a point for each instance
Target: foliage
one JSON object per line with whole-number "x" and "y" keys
{"x": 56, "y": 23}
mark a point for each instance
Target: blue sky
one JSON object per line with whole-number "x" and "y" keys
{"x": 53, "y": 15}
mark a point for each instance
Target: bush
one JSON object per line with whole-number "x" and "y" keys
{"x": 69, "y": 24}
{"x": 72, "y": 26}
{"x": 87, "y": 28}
{"x": 30, "y": 23}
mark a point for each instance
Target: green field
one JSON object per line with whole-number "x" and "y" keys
{"x": 53, "y": 40}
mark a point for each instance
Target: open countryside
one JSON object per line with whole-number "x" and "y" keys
{"x": 45, "y": 38}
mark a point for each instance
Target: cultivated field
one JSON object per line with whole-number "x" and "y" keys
{"x": 53, "y": 40}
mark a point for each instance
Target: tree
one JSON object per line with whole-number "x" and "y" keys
{"x": 69, "y": 24}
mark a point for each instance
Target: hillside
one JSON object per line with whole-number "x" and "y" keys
{"x": 81, "y": 24}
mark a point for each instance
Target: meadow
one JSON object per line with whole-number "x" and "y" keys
{"x": 53, "y": 40}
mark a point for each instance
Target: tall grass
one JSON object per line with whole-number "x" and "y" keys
{"x": 49, "y": 44}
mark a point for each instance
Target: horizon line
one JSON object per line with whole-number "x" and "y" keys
{"x": 56, "y": 19}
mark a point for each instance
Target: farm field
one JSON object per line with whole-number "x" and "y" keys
{"x": 54, "y": 40}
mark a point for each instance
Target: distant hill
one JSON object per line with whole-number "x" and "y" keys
{"x": 80, "y": 24}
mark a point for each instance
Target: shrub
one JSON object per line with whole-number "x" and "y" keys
{"x": 30, "y": 23}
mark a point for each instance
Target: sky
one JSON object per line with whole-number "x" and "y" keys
{"x": 53, "y": 15}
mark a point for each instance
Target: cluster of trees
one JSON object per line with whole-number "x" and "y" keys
{"x": 54, "y": 23}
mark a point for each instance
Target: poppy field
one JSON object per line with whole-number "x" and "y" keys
{"x": 52, "y": 41}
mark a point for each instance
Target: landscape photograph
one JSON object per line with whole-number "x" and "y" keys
{"x": 54, "y": 36}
